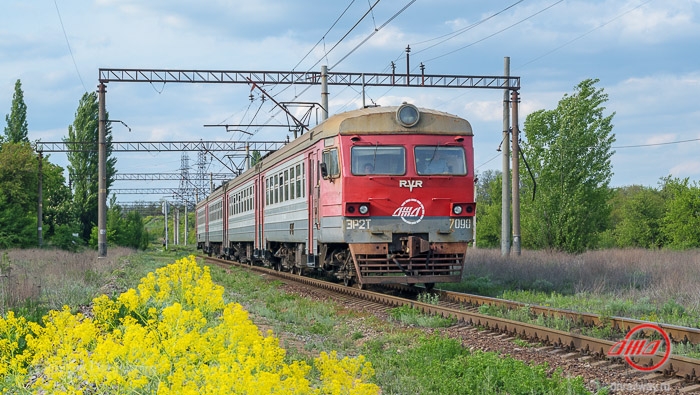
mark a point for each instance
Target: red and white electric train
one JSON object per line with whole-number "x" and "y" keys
{"x": 375, "y": 195}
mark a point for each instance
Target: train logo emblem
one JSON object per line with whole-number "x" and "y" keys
{"x": 410, "y": 184}
{"x": 411, "y": 211}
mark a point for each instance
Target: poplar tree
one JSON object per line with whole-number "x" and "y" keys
{"x": 569, "y": 151}
{"x": 83, "y": 167}
{"x": 17, "y": 128}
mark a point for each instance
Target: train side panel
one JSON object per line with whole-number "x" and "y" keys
{"x": 286, "y": 204}
{"x": 241, "y": 213}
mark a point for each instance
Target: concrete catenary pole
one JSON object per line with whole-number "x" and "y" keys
{"x": 176, "y": 226}
{"x": 516, "y": 176}
{"x": 165, "y": 216}
{"x": 102, "y": 174}
{"x": 324, "y": 92}
{"x": 505, "y": 146}
{"x": 40, "y": 207}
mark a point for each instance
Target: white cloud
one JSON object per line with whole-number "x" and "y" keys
{"x": 661, "y": 139}
{"x": 686, "y": 169}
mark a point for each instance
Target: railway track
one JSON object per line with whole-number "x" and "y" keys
{"x": 568, "y": 345}
{"x": 624, "y": 325}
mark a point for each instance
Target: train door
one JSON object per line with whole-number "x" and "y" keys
{"x": 259, "y": 193}
{"x": 313, "y": 212}
{"x": 224, "y": 228}
{"x": 206, "y": 227}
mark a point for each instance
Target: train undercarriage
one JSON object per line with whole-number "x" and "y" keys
{"x": 410, "y": 259}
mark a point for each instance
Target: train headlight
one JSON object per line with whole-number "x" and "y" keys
{"x": 408, "y": 115}
{"x": 457, "y": 210}
{"x": 364, "y": 209}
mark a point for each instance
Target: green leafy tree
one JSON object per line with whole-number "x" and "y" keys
{"x": 255, "y": 157}
{"x": 60, "y": 219}
{"x": 488, "y": 212}
{"x": 123, "y": 230}
{"x": 18, "y": 195}
{"x": 569, "y": 151}
{"x": 638, "y": 211}
{"x": 680, "y": 224}
{"x": 83, "y": 168}
{"x": 17, "y": 128}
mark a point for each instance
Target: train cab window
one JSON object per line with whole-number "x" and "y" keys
{"x": 440, "y": 160}
{"x": 378, "y": 159}
{"x": 330, "y": 158}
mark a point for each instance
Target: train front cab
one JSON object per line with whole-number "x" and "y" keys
{"x": 408, "y": 201}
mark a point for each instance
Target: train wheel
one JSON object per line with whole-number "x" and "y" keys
{"x": 347, "y": 281}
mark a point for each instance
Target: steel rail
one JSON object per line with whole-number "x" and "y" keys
{"x": 675, "y": 332}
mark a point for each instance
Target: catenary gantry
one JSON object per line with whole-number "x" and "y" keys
{"x": 324, "y": 78}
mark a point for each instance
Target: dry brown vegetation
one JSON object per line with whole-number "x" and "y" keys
{"x": 636, "y": 274}
{"x": 53, "y": 278}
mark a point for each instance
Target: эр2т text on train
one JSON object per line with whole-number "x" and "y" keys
{"x": 371, "y": 196}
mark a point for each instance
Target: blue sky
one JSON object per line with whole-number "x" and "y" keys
{"x": 645, "y": 54}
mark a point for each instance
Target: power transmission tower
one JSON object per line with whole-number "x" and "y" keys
{"x": 201, "y": 176}
{"x": 185, "y": 194}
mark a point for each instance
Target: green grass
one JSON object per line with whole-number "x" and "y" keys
{"x": 411, "y": 363}
{"x": 406, "y": 361}
{"x": 408, "y": 315}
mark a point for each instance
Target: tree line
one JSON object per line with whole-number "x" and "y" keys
{"x": 567, "y": 203}
{"x": 69, "y": 209}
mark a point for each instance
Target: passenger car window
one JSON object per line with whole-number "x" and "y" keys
{"x": 437, "y": 160}
{"x": 378, "y": 159}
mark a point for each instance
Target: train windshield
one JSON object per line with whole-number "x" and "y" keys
{"x": 378, "y": 159}
{"x": 440, "y": 160}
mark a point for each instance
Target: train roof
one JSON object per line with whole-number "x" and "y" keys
{"x": 381, "y": 120}
{"x": 363, "y": 121}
